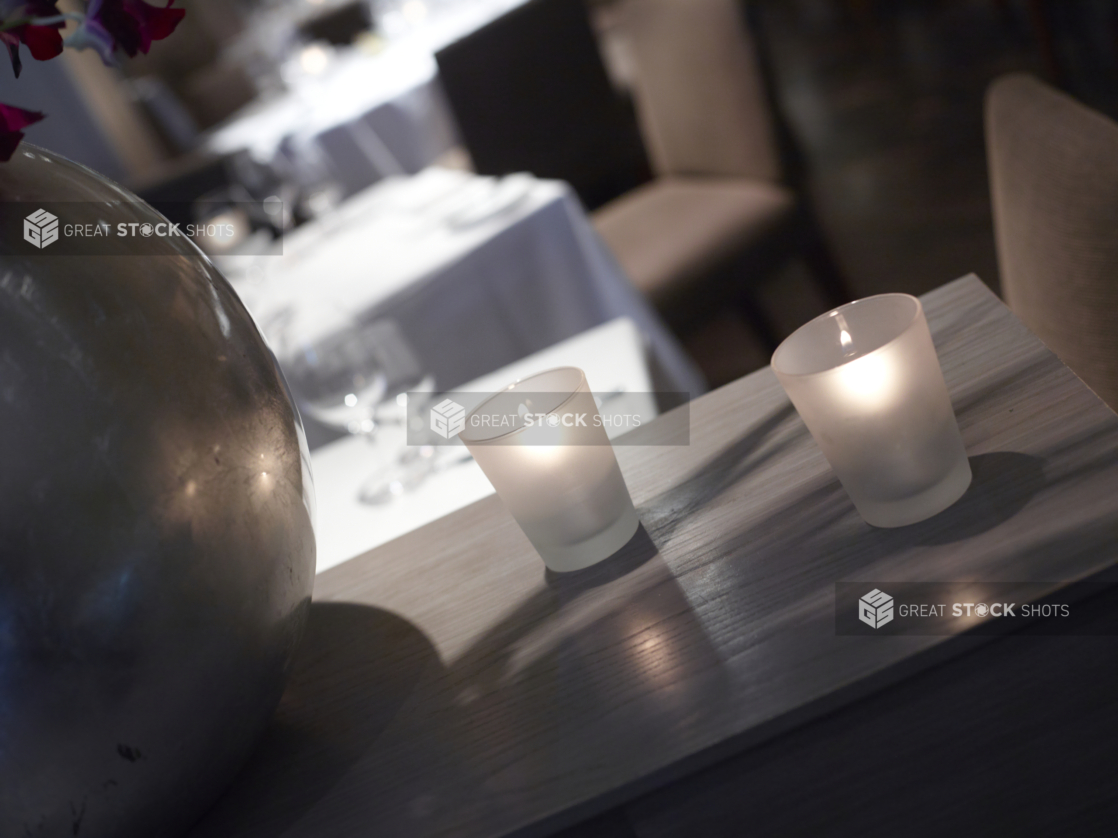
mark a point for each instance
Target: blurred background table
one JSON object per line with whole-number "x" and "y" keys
{"x": 377, "y": 110}
{"x": 879, "y": 107}
{"x": 478, "y": 273}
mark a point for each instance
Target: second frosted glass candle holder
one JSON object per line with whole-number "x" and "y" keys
{"x": 543, "y": 446}
{"x": 866, "y": 381}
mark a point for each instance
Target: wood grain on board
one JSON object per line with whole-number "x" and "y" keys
{"x": 450, "y": 686}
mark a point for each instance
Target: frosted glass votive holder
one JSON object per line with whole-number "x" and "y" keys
{"x": 866, "y": 381}
{"x": 543, "y": 446}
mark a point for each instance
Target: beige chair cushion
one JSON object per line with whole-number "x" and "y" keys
{"x": 1054, "y": 182}
{"x": 672, "y": 232}
{"x": 698, "y": 89}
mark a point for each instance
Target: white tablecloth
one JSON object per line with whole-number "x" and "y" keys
{"x": 470, "y": 294}
{"x": 611, "y": 355}
{"x": 375, "y": 115}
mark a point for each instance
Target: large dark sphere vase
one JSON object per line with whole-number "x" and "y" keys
{"x": 156, "y": 540}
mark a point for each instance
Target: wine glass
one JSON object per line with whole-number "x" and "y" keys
{"x": 356, "y": 376}
{"x": 333, "y": 363}
{"x": 307, "y": 165}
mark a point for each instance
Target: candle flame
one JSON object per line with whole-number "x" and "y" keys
{"x": 871, "y": 380}
{"x": 845, "y": 340}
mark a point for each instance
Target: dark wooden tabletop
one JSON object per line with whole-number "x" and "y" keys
{"x": 449, "y": 686}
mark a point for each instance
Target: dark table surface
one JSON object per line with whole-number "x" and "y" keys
{"x": 449, "y": 686}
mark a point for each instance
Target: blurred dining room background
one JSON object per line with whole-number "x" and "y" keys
{"x": 481, "y": 180}
{"x": 874, "y": 105}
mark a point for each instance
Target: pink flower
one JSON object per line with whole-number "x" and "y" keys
{"x": 44, "y": 42}
{"x": 107, "y": 25}
{"x": 12, "y": 120}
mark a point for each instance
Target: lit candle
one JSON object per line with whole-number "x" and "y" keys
{"x": 866, "y": 381}
{"x": 542, "y": 444}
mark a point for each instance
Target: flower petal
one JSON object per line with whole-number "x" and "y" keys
{"x": 110, "y": 17}
{"x": 90, "y": 34}
{"x": 44, "y": 42}
{"x": 12, "y": 119}
{"x": 155, "y": 23}
{"x": 131, "y": 25}
{"x": 11, "y": 41}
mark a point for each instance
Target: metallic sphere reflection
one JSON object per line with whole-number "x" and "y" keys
{"x": 156, "y": 527}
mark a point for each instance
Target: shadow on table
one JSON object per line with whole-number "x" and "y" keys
{"x": 584, "y": 676}
{"x": 354, "y": 669}
{"x": 812, "y": 522}
{"x": 375, "y": 733}
{"x": 664, "y": 513}
{"x": 575, "y": 616}
{"x": 639, "y": 549}
{"x": 1002, "y": 484}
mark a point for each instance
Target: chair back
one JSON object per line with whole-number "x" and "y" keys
{"x": 530, "y": 93}
{"x": 699, "y": 89}
{"x": 1054, "y": 183}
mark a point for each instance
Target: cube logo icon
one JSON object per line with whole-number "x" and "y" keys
{"x": 875, "y": 609}
{"x": 448, "y": 418}
{"x": 40, "y": 228}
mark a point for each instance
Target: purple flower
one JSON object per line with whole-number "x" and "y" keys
{"x": 128, "y": 25}
{"x": 12, "y": 120}
{"x": 108, "y": 25}
{"x": 92, "y": 34}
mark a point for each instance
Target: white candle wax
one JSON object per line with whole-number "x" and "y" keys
{"x": 542, "y": 445}
{"x": 866, "y": 381}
